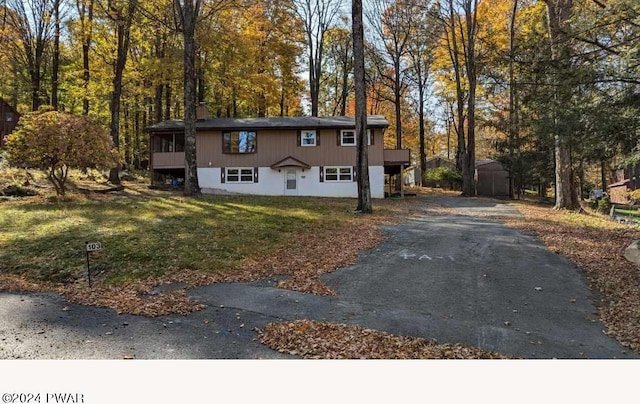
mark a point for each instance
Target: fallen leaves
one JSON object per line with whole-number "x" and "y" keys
{"x": 134, "y": 299}
{"x": 597, "y": 246}
{"x": 321, "y": 340}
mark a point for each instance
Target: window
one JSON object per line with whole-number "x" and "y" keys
{"x": 240, "y": 142}
{"x": 9, "y": 116}
{"x": 348, "y": 137}
{"x": 239, "y": 175}
{"x": 338, "y": 174}
{"x": 308, "y": 138}
{"x": 168, "y": 143}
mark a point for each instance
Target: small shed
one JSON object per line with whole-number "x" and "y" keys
{"x": 491, "y": 178}
{"x": 436, "y": 162}
{"x": 8, "y": 120}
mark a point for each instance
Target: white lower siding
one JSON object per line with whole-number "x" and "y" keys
{"x": 272, "y": 183}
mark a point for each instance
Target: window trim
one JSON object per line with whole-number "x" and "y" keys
{"x": 355, "y": 142}
{"x": 315, "y": 137}
{"x": 226, "y": 150}
{"x": 337, "y": 173}
{"x": 342, "y": 133}
{"x": 239, "y": 175}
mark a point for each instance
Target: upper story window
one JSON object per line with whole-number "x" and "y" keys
{"x": 8, "y": 116}
{"x": 308, "y": 138}
{"x": 348, "y": 137}
{"x": 240, "y": 142}
{"x": 168, "y": 143}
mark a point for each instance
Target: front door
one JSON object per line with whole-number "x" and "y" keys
{"x": 290, "y": 182}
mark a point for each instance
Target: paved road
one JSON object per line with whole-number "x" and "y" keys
{"x": 458, "y": 278}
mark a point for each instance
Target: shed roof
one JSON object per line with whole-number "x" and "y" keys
{"x": 335, "y": 122}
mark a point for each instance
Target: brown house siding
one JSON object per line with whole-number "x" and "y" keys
{"x": 275, "y": 145}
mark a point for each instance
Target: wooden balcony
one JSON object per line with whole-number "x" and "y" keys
{"x": 396, "y": 157}
{"x": 168, "y": 160}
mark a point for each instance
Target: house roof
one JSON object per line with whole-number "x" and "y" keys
{"x": 336, "y": 122}
{"x": 485, "y": 162}
{"x": 290, "y": 162}
{"x": 622, "y": 183}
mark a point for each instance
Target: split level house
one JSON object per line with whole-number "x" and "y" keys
{"x": 290, "y": 156}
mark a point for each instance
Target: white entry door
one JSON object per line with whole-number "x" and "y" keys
{"x": 291, "y": 183}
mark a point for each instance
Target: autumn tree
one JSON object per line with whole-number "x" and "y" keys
{"x": 392, "y": 23}
{"x": 337, "y": 76}
{"x": 188, "y": 14}
{"x": 57, "y": 141}
{"x": 84, "y": 9}
{"x": 318, "y": 16}
{"x": 33, "y": 28}
{"x": 460, "y": 26}
{"x": 120, "y": 14}
{"x": 420, "y": 52}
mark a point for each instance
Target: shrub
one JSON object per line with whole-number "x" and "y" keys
{"x": 604, "y": 204}
{"x": 444, "y": 176}
{"x": 57, "y": 141}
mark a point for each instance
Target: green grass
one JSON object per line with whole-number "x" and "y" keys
{"x": 152, "y": 236}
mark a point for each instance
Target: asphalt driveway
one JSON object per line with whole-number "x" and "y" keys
{"x": 461, "y": 278}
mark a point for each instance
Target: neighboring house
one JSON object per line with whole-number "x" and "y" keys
{"x": 304, "y": 156}
{"x": 628, "y": 180}
{"x": 8, "y": 120}
{"x": 491, "y": 178}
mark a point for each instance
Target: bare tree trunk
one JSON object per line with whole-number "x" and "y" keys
{"x": 188, "y": 13}
{"x": 364, "y": 187}
{"x": 513, "y": 112}
{"x": 123, "y": 19}
{"x": 470, "y": 10}
{"x": 344, "y": 93}
{"x": 558, "y": 16}
{"x": 157, "y": 103}
{"x": 423, "y": 146}
{"x": 167, "y": 103}
{"x": 85, "y": 13}
{"x": 56, "y": 55}
{"x": 127, "y": 135}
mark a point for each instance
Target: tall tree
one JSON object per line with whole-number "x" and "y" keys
{"x": 120, "y": 13}
{"x": 461, "y": 28}
{"x": 56, "y": 54}
{"x": 420, "y": 51}
{"x": 187, "y": 12}
{"x": 392, "y": 23}
{"x": 364, "y": 187}
{"x": 31, "y": 21}
{"x": 85, "y": 17}
{"x": 337, "y": 81}
{"x": 558, "y": 15}
{"x": 318, "y": 17}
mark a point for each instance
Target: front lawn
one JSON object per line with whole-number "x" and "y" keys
{"x": 152, "y": 237}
